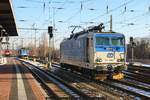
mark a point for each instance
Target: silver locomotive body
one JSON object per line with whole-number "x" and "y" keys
{"x": 99, "y": 52}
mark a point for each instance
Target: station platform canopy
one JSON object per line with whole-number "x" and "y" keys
{"x": 7, "y": 20}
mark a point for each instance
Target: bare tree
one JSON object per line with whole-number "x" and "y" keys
{"x": 56, "y": 55}
{"x": 141, "y": 50}
{"x": 43, "y": 46}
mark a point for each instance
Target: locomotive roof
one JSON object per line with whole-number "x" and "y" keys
{"x": 73, "y": 36}
{"x": 95, "y": 29}
{"x": 117, "y": 33}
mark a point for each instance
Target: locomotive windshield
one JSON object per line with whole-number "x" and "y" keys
{"x": 102, "y": 41}
{"x": 110, "y": 40}
{"x": 117, "y": 41}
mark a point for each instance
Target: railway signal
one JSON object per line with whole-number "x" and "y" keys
{"x": 131, "y": 39}
{"x": 132, "y": 43}
{"x": 50, "y": 32}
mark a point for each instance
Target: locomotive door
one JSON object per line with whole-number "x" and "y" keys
{"x": 89, "y": 50}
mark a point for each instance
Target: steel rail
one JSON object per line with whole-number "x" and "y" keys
{"x": 72, "y": 95}
{"x": 128, "y": 91}
{"x": 82, "y": 94}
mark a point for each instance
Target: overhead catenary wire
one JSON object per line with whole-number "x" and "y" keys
{"x": 31, "y": 29}
{"x": 111, "y": 10}
{"x": 71, "y": 17}
{"x": 134, "y": 19}
{"x": 77, "y": 13}
{"x": 56, "y": 2}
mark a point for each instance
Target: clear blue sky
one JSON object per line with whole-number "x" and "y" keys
{"x": 131, "y": 17}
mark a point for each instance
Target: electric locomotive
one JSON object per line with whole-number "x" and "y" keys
{"x": 95, "y": 53}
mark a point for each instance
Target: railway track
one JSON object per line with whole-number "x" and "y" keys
{"x": 138, "y": 73}
{"x": 136, "y": 84}
{"x": 138, "y": 90}
{"x": 54, "y": 88}
{"x": 137, "y": 77}
{"x": 88, "y": 87}
{"x": 75, "y": 91}
{"x": 123, "y": 88}
{"x": 139, "y": 69}
{"x": 76, "y": 78}
{"x": 128, "y": 89}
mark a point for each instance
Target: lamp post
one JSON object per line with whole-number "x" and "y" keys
{"x": 55, "y": 9}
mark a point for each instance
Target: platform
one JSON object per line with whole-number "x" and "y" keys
{"x": 17, "y": 83}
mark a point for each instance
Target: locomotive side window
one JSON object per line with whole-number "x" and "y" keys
{"x": 102, "y": 41}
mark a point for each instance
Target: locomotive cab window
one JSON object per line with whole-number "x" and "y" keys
{"x": 102, "y": 41}
{"x": 117, "y": 41}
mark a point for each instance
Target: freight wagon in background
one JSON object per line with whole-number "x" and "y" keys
{"x": 95, "y": 53}
{"x": 9, "y": 53}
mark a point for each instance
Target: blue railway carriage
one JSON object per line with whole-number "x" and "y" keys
{"x": 23, "y": 53}
{"x": 95, "y": 53}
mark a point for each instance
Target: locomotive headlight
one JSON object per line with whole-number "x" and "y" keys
{"x": 98, "y": 60}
